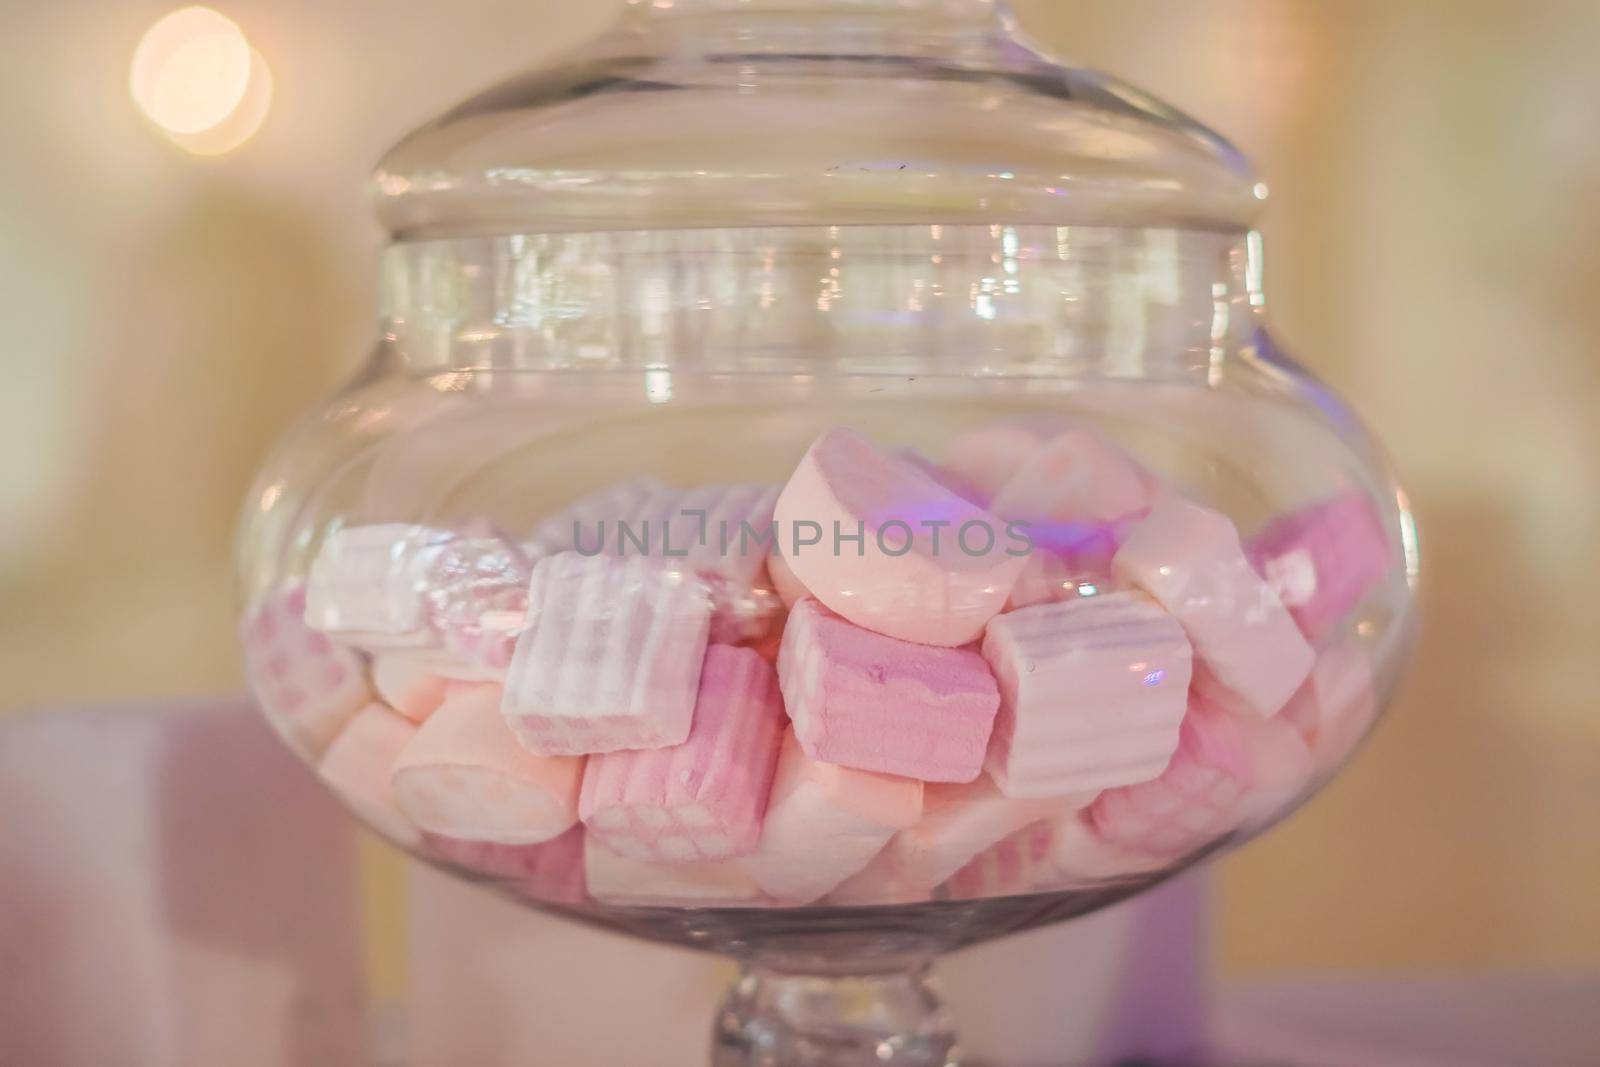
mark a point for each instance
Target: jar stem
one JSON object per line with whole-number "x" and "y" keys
{"x": 777, "y": 1019}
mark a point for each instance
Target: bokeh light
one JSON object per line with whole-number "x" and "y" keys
{"x": 196, "y": 76}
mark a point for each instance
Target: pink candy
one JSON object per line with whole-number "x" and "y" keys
{"x": 784, "y": 583}
{"x": 1092, "y": 694}
{"x": 593, "y": 520}
{"x": 464, "y": 776}
{"x": 990, "y": 456}
{"x": 958, "y": 822}
{"x": 703, "y": 799}
{"x": 477, "y": 596}
{"x": 1076, "y": 477}
{"x": 458, "y": 599}
{"x": 367, "y": 584}
{"x": 611, "y": 656}
{"x": 1323, "y": 559}
{"x": 1081, "y": 566}
{"x": 1018, "y": 864}
{"x": 408, "y": 685}
{"x": 863, "y": 700}
{"x": 1150, "y": 689}
{"x": 947, "y": 478}
{"x": 723, "y": 534}
{"x": 1188, "y": 558}
{"x": 824, "y": 823}
{"x": 1081, "y": 856}
{"x": 550, "y": 871}
{"x": 357, "y": 767}
{"x": 1195, "y": 801}
{"x": 886, "y": 546}
{"x": 628, "y": 880}
{"x": 1336, "y": 706}
{"x": 307, "y": 686}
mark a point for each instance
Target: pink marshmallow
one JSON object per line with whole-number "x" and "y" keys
{"x": 1050, "y": 577}
{"x": 1019, "y": 864}
{"x": 465, "y": 776}
{"x": 1197, "y": 799}
{"x": 1093, "y": 692}
{"x": 1247, "y": 647}
{"x": 723, "y": 534}
{"x": 1322, "y": 560}
{"x": 862, "y": 700}
{"x": 367, "y": 585}
{"x": 630, "y": 881}
{"x": 784, "y": 583}
{"x": 477, "y": 596}
{"x": 1081, "y": 856}
{"x": 408, "y": 685}
{"x": 591, "y": 521}
{"x": 551, "y": 871}
{"x": 357, "y": 767}
{"x": 958, "y": 822}
{"x": 990, "y": 456}
{"x": 1336, "y": 706}
{"x": 307, "y": 686}
{"x": 935, "y": 585}
{"x": 611, "y": 656}
{"x": 703, "y": 799}
{"x": 947, "y": 478}
{"x": 1281, "y": 770}
{"x": 824, "y": 823}
{"x": 1077, "y": 477}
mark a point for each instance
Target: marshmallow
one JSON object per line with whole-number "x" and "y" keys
{"x": 1092, "y": 693}
{"x": 307, "y": 686}
{"x": 367, "y": 585}
{"x": 611, "y": 656}
{"x": 1197, "y": 799}
{"x": 853, "y": 528}
{"x": 723, "y": 534}
{"x": 592, "y": 521}
{"x": 551, "y": 871}
{"x": 958, "y": 822}
{"x": 1076, "y": 477}
{"x": 1021, "y": 863}
{"x": 1336, "y": 706}
{"x": 408, "y": 684}
{"x": 1049, "y": 577}
{"x": 626, "y": 880}
{"x": 477, "y": 596}
{"x": 1281, "y": 771}
{"x": 357, "y": 767}
{"x": 1080, "y": 856}
{"x": 1322, "y": 560}
{"x": 784, "y": 583}
{"x": 873, "y": 703}
{"x": 825, "y": 823}
{"x": 949, "y": 479}
{"x": 703, "y": 799}
{"x": 720, "y": 531}
{"x": 990, "y": 456}
{"x": 463, "y": 775}
{"x": 1188, "y": 557}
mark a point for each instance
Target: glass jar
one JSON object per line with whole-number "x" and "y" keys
{"x": 824, "y": 492}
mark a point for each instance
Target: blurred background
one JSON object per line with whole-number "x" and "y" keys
{"x": 176, "y": 297}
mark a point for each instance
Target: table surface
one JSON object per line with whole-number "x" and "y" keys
{"x": 1543, "y": 1020}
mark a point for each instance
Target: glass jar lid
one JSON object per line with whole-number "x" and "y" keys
{"x": 752, "y": 113}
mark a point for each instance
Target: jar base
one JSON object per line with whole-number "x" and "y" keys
{"x": 777, "y": 1019}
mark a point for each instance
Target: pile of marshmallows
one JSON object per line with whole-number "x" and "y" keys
{"x": 635, "y": 706}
